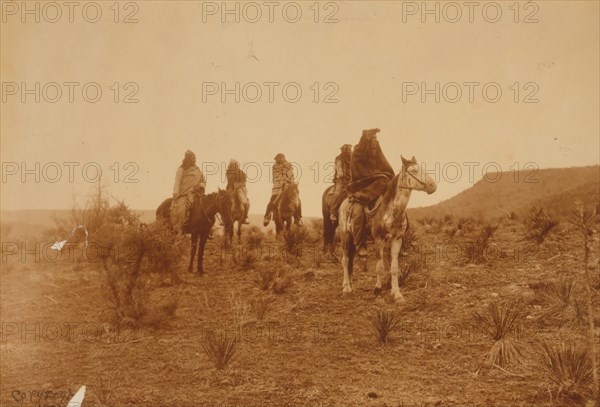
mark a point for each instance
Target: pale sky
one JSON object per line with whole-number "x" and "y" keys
{"x": 368, "y": 54}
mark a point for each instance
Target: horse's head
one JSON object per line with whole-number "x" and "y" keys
{"x": 291, "y": 192}
{"x": 224, "y": 207}
{"x": 413, "y": 178}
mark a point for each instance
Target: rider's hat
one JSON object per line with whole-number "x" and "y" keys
{"x": 189, "y": 153}
{"x": 346, "y": 147}
{"x": 279, "y": 155}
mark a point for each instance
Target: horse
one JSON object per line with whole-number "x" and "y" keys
{"x": 202, "y": 219}
{"x": 239, "y": 211}
{"x": 329, "y": 227}
{"x": 163, "y": 212}
{"x": 388, "y": 225}
{"x": 286, "y": 207}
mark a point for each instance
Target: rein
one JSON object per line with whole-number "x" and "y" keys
{"x": 203, "y": 208}
{"x": 218, "y": 205}
{"x": 404, "y": 184}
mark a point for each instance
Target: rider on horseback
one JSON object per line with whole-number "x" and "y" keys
{"x": 236, "y": 181}
{"x": 341, "y": 178}
{"x": 283, "y": 174}
{"x": 189, "y": 183}
{"x": 371, "y": 174}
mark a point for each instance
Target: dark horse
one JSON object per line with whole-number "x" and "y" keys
{"x": 329, "y": 227}
{"x": 202, "y": 219}
{"x": 286, "y": 208}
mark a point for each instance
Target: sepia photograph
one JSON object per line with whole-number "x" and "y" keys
{"x": 307, "y": 203}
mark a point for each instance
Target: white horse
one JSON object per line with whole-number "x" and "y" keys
{"x": 388, "y": 224}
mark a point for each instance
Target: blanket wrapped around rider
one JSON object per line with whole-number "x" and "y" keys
{"x": 189, "y": 182}
{"x": 236, "y": 184}
{"x": 235, "y": 175}
{"x": 370, "y": 171}
{"x": 370, "y": 175}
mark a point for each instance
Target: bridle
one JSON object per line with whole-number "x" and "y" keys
{"x": 218, "y": 204}
{"x": 404, "y": 173}
{"x": 219, "y": 207}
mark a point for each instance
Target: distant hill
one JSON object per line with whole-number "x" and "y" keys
{"x": 554, "y": 189}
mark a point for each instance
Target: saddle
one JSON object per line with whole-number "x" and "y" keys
{"x": 370, "y": 209}
{"x": 373, "y": 206}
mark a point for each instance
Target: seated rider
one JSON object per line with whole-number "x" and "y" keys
{"x": 189, "y": 183}
{"x": 341, "y": 178}
{"x": 283, "y": 174}
{"x": 371, "y": 174}
{"x": 236, "y": 180}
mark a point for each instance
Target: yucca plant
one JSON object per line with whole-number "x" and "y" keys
{"x": 498, "y": 323}
{"x": 273, "y": 278}
{"x": 539, "y": 223}
{"x": 105, "y": 390}
{"x": 383, "y": 323}
{"x": 475, "y": 250}
{"x": 458, "y": 226}
{"x": 569, "y": 367}
{"x": 220, "y": 349}
{"x": 260, "y": 306}
{"x": 293, "y": 241}
{"x": 421, "y": 299}
{"x": 282, "y": 283}
{"x": 561, "y": 292}
{"x": 563, "y": 298}
{"x": 265, "y": 278}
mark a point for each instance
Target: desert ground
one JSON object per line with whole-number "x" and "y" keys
{"x": 295, "y": 339}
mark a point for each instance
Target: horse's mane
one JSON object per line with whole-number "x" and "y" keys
{"x": 288, "y": 190}
{"x": 391, "y": 189}
{"x": 212, "y": 195}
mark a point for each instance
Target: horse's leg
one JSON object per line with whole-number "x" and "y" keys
{"x": 328, "y": 234}
{"x": 380, "y": 267}
{"x": 351, "y": 253}
{"x": 229, "y": 233}
{"x": 203, "y": 238}
{"x": 394, "y": 269}
{"x": 239, "y": 231}
{"x": 193, "y": 251}
{"x": 239, "y": 222}
{"x": 347, "y": 260}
